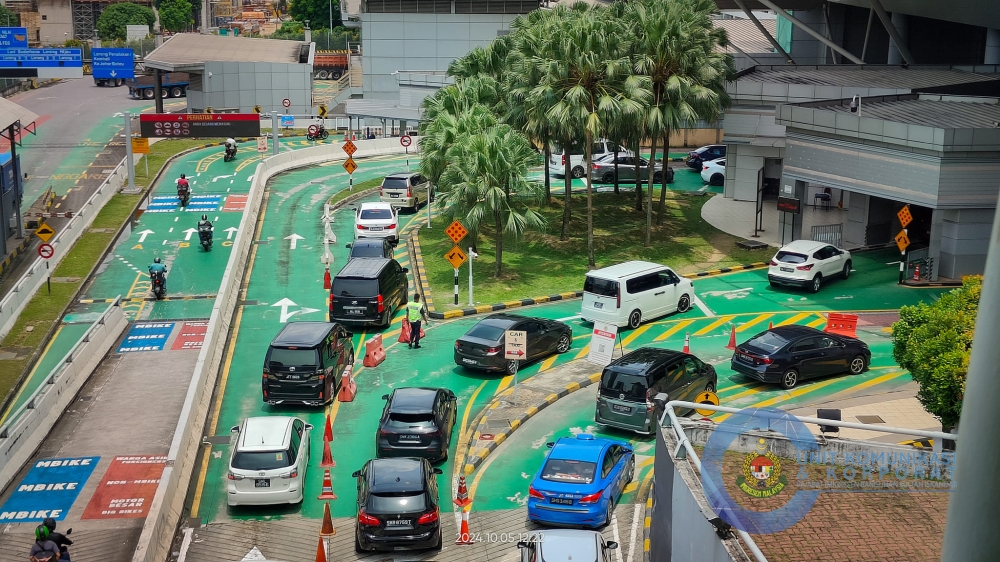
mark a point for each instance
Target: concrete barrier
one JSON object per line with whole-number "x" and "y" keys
{"x": 168, "y": 502}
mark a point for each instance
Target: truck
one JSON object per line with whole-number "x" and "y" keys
{"x": 330, "y": 65}
{"x": 174, "y": 86}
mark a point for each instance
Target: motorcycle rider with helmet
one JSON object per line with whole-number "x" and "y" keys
{"x": 157, "y": 268}
{"x": 61, "y": 540}
{"x": 44, "y": 550}
{"x": 205, "y": 229}
{"x": 230, "y": 148}
{"x": 183, "y": 189}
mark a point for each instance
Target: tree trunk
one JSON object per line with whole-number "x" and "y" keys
{"x": 663, "y": 176}
{"x": 638, "y": 179}
{"x": 590, "y": 203}
{"x": 498, "y": 242}
{"x": 649, "y": 201}
{"x": 548, "y": 179}
{"x": 567, "y": 199}
{"x": 616, "y": 169}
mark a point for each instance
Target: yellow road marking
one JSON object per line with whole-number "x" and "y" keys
{"x": 247, "y": 162}
{"x": 583, "y": 352}
{"x": 750, "y": 390}
{"x": 48, "y": 346}
{"x": 504, "y": 383}
{"x": 547, "y": 364}
{"x": 722, "y": 320}
{"x": 635, "y": 333}
{"x": 757, "y": 320}
{"x": 817, "y": 323}
{"x": 462, "y": 450}
{"x": 207, "y": 161}
{"x": 795, "y": 318}
{"x": 677, "y": 327}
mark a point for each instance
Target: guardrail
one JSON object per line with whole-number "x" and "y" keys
{"x": 14, "y": 302}
{"x": 28, "y": 425}
{"x": 165, "y": 511}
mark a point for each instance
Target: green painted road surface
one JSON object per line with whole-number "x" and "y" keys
{"x": 685, "y": 179}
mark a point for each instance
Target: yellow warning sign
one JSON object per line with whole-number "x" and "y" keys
{"x": 350, "y": 165}
{"x": 707, "y": 397}
{"x": 140, "y": 145}
{"x": 902, "y": 240}
{"x": 904, "y": 215}
{"x": 45, "y": 233}
{"x": 456, "y": 256}
{"x": 322, "y": 110}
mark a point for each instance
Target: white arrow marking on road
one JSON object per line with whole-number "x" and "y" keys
{"x": 305, "y": 310}
{"x": 254, "y": 554}
{"x": 143, "y": 234}
{"x": 284, "y": 304}
{"x": 230, "y": 231}
{"x": 724, "y": 293}
{"x": 216, "y": 178}
{"x": 188, "y": 233}
{"x": 295, "y": 239}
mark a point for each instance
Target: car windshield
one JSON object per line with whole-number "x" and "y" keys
{"x": 603, "y": 287}
{"x": 616, "y": 384}
{"x": 397, "y": 502}
{"x": 564, "y": 470}
{"x": 366, "y": 251}
{"x": 486, "y": 331}
{"x": 354, "y": 287}
{"x": 410, "y": 420}
{"x": 790, "y": 257}
{"x": 376, "y": 214}
{"x": 394, "y": 183}
{"x": 768, "y": 341}
{"x": 281, "y": 357}
{"x": 262, "y": 460}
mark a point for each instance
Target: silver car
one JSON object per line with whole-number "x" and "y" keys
{"x": 560, "y": 545}
{"x": 603, "y": 170}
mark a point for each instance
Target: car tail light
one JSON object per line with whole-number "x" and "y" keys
{"x": 380, "y": 191}
{"x": 393, "y": 225}
{"x": 435, "y": 433}
{"x": 458, "y": 346}
{"x": 649, "y": 397}
{"x": 594, "y": 166}
{"x": 383, "y": 433}
{"x": 232, "y": 476}
{"x": 361, "y": 227}
{"x": 492, "y": 350}
{"x": 592, "y": 498}
{"x": 293, "y": 474}
{"x": 381, "y": 304}
{"x": 765, "y": 360}
{"x": 806, "y": 267}
{"x": 704, "y": 167}
{"x": 427, "y": 518}
{"x": 367, "y": 520}
{"x": 532, "y": 492}
{"x": 408, "y": 192}
{"x": 773, "y": 263}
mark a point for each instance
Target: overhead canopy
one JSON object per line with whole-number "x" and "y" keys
{"x": 189, "y": 51}
{"x": 11, "y": 113}
{"x": 381, "y": 109}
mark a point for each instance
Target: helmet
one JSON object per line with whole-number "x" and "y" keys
{"x": 204, "y": 217}
{"x": 182, "y": 176}
{"x": 156, "y": 260}
{"x": 41, "y": 533}
{"x": 50, "y": 524}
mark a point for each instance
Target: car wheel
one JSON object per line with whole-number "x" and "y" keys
{"x": 858, "y": 365}
{"x": 789, "y": 379}
{"x": 357, "y": 545}
{"x": 670, "y": 176}
{"x": 563, "y": 345}
{"x": 577, "y": 172}
{"x": 710, "y": 387}
{"x": 610, "y": 513}
{"x": 658, "y": 177}
{"x": 511, "y": 367}
{"x": 717, "y": 179}
{"x": 630, "y": 471}
{"x": 773, "y": 284}
{"x": 148, "y": 93}
{"x": 817, "y": 282}
{"x": 438, "y": 545}
{"x": 684, "y": 304}
{"x": 634, "y": 319}
{"x": 847, "y": 270}
{"x": 608, "y": 178}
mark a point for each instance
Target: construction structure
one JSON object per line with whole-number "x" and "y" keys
{"x": 53, "y": 22}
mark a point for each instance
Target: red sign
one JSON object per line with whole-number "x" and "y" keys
{"x": 46, "y": 251}
{"x": 603, "y": 334}
{"x": 236, "y": 203}
{"x": 191, "y": 337}
{"x": 313, "y": 129}
{"x": 406, "y": 140}
{"x": 127, "y": 489}
{"x": 199, "y": 125}
{"x": 286, "y": 102}
{"x": 788, "y": 204}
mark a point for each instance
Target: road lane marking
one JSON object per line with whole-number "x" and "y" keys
{"x": 504, "y": 383}
{"x": 817, "y": 323}
{"x": 677, "y": 327}
{"x": 795, "y": 319}
{"x": 702, "y": 306}
{"x": 614, "y": 530}
{"x": 635, "y": 528}
{"x": 547, "y": 364}
{"x": 753, "y": 322}
{"x": 722, "y": 320}
{"x": 635, "y": 333}
{"x": 583, "y": 352}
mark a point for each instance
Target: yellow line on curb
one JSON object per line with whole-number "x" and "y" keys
{"x": 504, "y": 383}
{"x": 677, "y": 327}
{"x": 463, "y": 451}
{"x": 757, "y": 320}
{"x": 547, "y": 364}
{"x": 722, "y": 320}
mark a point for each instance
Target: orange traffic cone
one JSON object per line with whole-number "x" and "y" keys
{"x": 463, "y": 533}
{"x": 328, "y": 461}
{"x": 916, "y": 272}
{"x": 462, "y": 499}
{"x": 770, "y": 325}
{"x": 327, "y": 530}
{"x": 321, "y": 551}
{"x": 732, "y": 339}
{"x": 687, "y": 342}
{"x": 328, "y": 431}
{"x": 326, "y": 279}
{"x": 327, "y": 493}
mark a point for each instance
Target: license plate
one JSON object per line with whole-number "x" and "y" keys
{"x": 561, "y": 501}
{"x": 409, "y": 438}
{"x": 375, "y": 228}
{"x": 788, "y": 269}
{"x": 469, "y": 361}
{"x": 262, "y": 483}
{"x": 394, "y": 195}
{"x": 397, "y": 523}
{"x": 354, "y": 310}
{"x": 294, "y": 377}
{"x": 620, "y": 408}
{"x": 598, "y": 305}
{"x": 745, "y": 357}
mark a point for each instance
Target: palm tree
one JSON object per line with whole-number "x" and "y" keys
{"x": 486, "y": 178}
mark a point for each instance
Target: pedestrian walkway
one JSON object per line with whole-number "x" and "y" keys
{"x": 737, "y": 218}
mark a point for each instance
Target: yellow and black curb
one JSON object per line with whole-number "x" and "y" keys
{"x": 478, "y": 454}
{"x": 919, "y": 443}
{"x": 22, "y": 246}
{"x": 711, "y": 272}
{"x": 646, "y": 523}
{"x": 149, "y": 299}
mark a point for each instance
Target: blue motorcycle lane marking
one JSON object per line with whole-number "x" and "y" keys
{"x": 147, "y": 336}
{"x": 48, "y": 490}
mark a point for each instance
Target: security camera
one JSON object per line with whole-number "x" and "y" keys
{"x": 855, "y": 104}
{"x": 473, "y": 254}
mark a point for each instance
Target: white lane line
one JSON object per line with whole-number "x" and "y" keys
{"x": 574, "y": 317}
{"x": 185, "y": 544}
{"x": 707, "y": 311}
{"x": 635, "y": 528}
{"x": 614, "y": 528}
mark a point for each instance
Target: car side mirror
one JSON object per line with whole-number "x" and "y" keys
{"x": 612, "y": 545}
{"x": 522, "y": 544}
{"x": 348, "y": 334}
{"x": 438, "y": 471}
{"x": 348, "y": 246}
{"x": 234, "y": 429}
{"x": 385, "y": 397}
{"x": 309, "y": 426}
{"x": 406, "y": 270}
{"x": 356, "y": 474}
{"x": 550, "y": 444}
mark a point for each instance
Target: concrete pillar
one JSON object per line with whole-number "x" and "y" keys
{"x": 902, "y": 24}
{"x": 992, "y": 55}
{"x": 934, "y": 247}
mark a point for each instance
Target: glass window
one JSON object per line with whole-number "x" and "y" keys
{"x": 825, "y": 342}
{"x": 790, "y": 257}
{"x": 602, "y": 287}
{"x": 769, "y": 342}
{"x": 394, "y": 183}
{"x": 614, "y": 384}
{"x": 691, "y": 368}
{"x": 355, "y": 287}
{"x": 607, "y": 464}
{"x": 399, "y": 502}
{"x": 807, "y": 344}
{"x": 643, "y": 162}
{"x": 399, "y": 420}
{"x": 281, "y": 357}
{"x": 668, "y": 278}
{"x": 643, "y": 283}
{"x": 366, "y": 251}
{"x": 376, "y": 214}
{"x": 486, "y": 331}
{"x": 598, "y": 148}
{"x": 566, "y": 470}
{"x": 262, "y": 460}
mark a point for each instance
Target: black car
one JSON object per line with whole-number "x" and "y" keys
{"x": 398, "y": 505}
{"x": 416, "y": 422}
{"x": 789, "y": 354}
{"x": 367, "y": 291}
{"x": 482, "y": 346}
{"x": 705, "y": 154}
{"x": 370, "y": 248}
{"x": 304, "y": 363}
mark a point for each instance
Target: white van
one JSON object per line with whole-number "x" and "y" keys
{"x": 577, "y": 163}
{"x": 630, "y": 293}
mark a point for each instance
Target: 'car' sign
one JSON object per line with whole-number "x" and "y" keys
{"x": 515, "y": 345}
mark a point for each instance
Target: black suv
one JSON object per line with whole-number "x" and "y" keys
{"x": 370, "y": 248}
{"x": 304, "y": 363}
{"x": 417, "y": 422}
{"x": 705, "y": 154}
{"x": 368, "y": 291}
{"x": 398, "y": 505}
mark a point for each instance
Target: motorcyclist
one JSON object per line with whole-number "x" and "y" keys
{"x": 231, "y": 147}
{"x": 44, "y": 549}
{"x": 183, "y": 188}
{"x": 205, "y": 228}
{"x": 157, "y": 268}
{"x": 61, "y": 540}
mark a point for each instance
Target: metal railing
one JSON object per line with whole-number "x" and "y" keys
{"x": 832, "y": 234}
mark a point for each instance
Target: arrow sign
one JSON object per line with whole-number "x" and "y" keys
{"x": 217, "y": 178}
{"x": 113, "y": 74}
{"x": 143, "y": 234}
{"x": 284, "y": 304}
{"x": 188, "y": 233}
{"x": 295, "y": 239}
{"x": 230, "y": 231}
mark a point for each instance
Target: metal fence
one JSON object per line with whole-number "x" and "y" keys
{"x": 832, "y": 234}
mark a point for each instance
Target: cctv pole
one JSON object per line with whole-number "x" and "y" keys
{"x": 470, "y": 280}
{"x": 129, "y": 164}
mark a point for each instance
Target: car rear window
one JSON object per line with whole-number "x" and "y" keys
{"x": 769, "y": 342}
{"x": 406, "y": 420}
{"x": 564, "y": 470}
{"x": 394, "y": 183}
{"x": 790, "y": 257}
{"x": 486, "y": 331}
{"x": 614, "y": 384}
{"x": 375, "y": 214}
{"x": 262, "y": 460}
{"x": 602, "y": 287}
{"x": 355, "y": 287}
{"x": 366, "y": 251}
{"x": 282, "y": 357}
{"x": 397, "y": 502}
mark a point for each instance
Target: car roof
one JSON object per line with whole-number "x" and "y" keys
{"x": 804, "y": 245}
{"x": 369, "y": 242}
{"x": 640, "y": 361}
{"x": 302, "y": 334}
{"x": 413, "y": 400}
{"x": 396, "y": 475}
{"x": 625, "y": 269}
{"x": 569, "y": 544}
{"x": 401, "y": 175}
{"x": 792, "y": 331}
{"x": 264, "y": 433}
{"x": 502, "y": 319}
{"x": 583, "y": 447}
{"x": 376, "y": 205}
{"x": 365, "y": 268}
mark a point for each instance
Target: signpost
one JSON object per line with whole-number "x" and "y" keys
{"x": 902, "y": 240}
{"x": 262, "y": 144}
{"x": 321, "y": 111}
{"x": 14, "y": 37}
{"x": 200, "y": 125}
{"x": 46, "y": 251}
{"x": 350, "y": 165}
{"x": 113, "y": 63}
{"x": 140, "y": 145}
{"x": 602, "y": 343}
{"x": 287, "y": 120}
{"x": 41, "y": 63}
{"x": 456, "y": 232}
{"x": 257, "y": 109}
{"x": 44, "y": 233}
{"x": 406, "y": 141}
{"x": 286, "y": 103}
{"x": 515, "y": 348}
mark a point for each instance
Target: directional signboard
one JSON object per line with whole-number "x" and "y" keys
{"x": 287, "y": 120}
{"x": 261, "y": 144}
{"x": 41, "y": 63}
{"x": 456, "y": 256}
{"x": 45, "y": 233}
{"x": 350, "y": 165}
{"x": 456, "y": 232}
{"x": 515, "y": 344}
{"x": 13, "y": 37}
{"x": 199, "y": 125}
{"x": 321, "y": 111}
{"x": 113, "y": 63}
{"x": 902, "y": 240}
{"x": 707, "y": 397}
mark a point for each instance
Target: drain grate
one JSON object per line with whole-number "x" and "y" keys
{"x": 497, "y": 424}
{"x": 86, "y": 398}
{"x": 261, "y": 241}
{"x": 870, "y": 419}
{"x": 217, "y": 439}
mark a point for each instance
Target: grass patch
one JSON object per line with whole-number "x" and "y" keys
{"x": 542, "y": 264}
{"x": 160, "y": 152}
{"x": 360, "y": 186}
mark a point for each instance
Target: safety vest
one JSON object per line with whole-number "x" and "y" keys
{"x": 413, "y": 311}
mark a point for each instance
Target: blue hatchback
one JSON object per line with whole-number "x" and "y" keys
{"x": 580, "y": 481}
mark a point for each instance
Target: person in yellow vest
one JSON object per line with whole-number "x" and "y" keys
{"x": 415, "y": 312}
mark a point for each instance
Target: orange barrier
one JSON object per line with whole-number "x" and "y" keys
{"x": 404, "y": 332}
{"x": 374, "y": 352}
{"x": 770, "y": 325}
{"x": 326, "y": 279}
{"x": 327, "y": 530}
{"x": 327, "y": 493}
{"x": 842, "y": 324}
{"x": 348, "y": 386}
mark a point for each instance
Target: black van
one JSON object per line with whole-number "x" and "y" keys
{"x": 630, "y": 383}
{"x": 368, "y": 291}
{"x": 304, "y": 363}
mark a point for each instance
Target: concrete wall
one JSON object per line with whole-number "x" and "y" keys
{"x": 965, "y": 237}
{"x": 743, "y": 161}
{"x": 57, "y": 23}
{"x": 857, "y": 221}
{"x": 805, "y": 48}
{"x": 972, "y": 181}
{"x": 242, "y": 85}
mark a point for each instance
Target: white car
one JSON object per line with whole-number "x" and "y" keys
{"x": 577, "y": 163}
{"x": 376, "y": 220}
{"x": 714, "y": 172}
{"x": 807, "y": 263}
{"x": 554, "y": 545}
{"x": 269, "y": 461}
{"x": 630, "y": 293}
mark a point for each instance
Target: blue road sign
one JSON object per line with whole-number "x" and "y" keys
{"x": 48, "y": 490}
{"x": 41, "y": 58}
{"x": 13, "y": 37}
{"x": 113, "y": 63}
{"x": 287, "y": 120}
{"x": 147, "y": 336}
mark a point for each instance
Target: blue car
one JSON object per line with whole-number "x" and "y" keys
{"x": 580, "y": 482}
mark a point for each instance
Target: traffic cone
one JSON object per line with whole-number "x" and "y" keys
{"x": 326, "y": 279}
{"x": 328, "y": 431}
{"x": 770, "y": 325}
{"x": 687, "y": 342}
{"x": 916, "y": 272}
{"x": 328, "y": 461}
{"x": 327, "y": 530}
{"x": 463, "y": 533}
{"x": 462, "y": 499}
{"x": 327, "y": 493}
{"x": 321, "y": 551}
{"x": 732, "y": 339}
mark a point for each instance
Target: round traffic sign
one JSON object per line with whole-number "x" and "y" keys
{"x": 406, "y": 140}
{"x": 46, "y": 251}
{"x": 286, "y": 102}
{"x": 312, "y": 129}
{"x": 707, "y": 397}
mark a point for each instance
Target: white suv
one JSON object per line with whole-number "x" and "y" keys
{"x": 376, "y": 220}
{"x": 269, "y": 462}
{"x": 807, "y": 263}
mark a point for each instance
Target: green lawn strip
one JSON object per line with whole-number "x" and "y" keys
{"x": 542, "y": 264}
{"x": 358, "y": 187}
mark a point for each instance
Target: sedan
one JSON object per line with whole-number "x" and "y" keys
{"x": 704, "y": 154}
{"x": 806, "y": 263}
{"x": 714, "y": 172}
{"x": 376, "y": 220}
{"x": 559, "y": 545}
{"x": 482, "y": 347}
{"x": 580, "y": 481}
{"x": 603, "y": 170}
{"x": 416, "y": 422}
{"x": 789, "y": 354}
{"x": 398, "y": 506}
